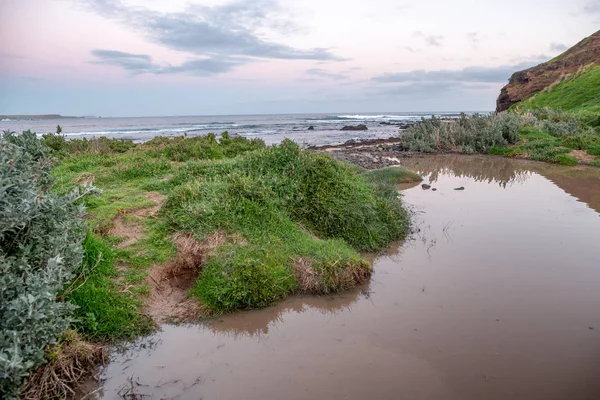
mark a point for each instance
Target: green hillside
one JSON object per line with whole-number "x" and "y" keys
{"x": 579, "y": 92}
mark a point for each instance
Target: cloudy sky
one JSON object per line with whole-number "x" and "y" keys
{"x": 193, "y": 57}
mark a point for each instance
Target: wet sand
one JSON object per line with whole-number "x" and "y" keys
{"x": 495, "y": 296}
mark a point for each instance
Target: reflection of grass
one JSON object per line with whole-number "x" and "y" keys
{"x": 392, "y": 176}
{"x": 481, "y": 169}
{"x": 258, "y": 322}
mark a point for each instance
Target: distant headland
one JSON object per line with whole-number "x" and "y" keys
{"x": 35, "y": 116}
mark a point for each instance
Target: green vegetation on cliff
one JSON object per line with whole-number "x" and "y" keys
{"x": 576, "y": 93}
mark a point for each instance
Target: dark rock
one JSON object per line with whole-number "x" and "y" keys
{"x": 311, "y": 128}
{"x": 425, "y": 186}
{"x": 433, "y": 189}
{"x": 460, "y": 188}
{"x": 360, "y": 127}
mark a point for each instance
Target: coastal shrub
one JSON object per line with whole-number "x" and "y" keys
{"x": 207, "y": 147}
{"x": 40, "y": 248}
{"x": 559, "y": 128}
{"x": 467, "y": 134}
{"x": 581, "y": 142}
{"x": 60, "y": 146}
{"x": 564, "y": 159}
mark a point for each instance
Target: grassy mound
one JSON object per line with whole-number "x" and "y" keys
{"x": 294, "y": 221}
{"x": 299, "y": 213}
{"x": 577, "y": 93}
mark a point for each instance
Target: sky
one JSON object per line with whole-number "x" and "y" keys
{"x": 211, "y": 57}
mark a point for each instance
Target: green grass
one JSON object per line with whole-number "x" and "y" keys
{"x": 280, "y": 208}
{"x": 542, "y": 146}
{"x": 287, "y": 205}
{"x": 104, "y": 311}
{"x": 579, "y": 93}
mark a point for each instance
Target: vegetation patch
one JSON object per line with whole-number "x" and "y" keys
{"x": 540, "y": 134}
{"x": 579, "y": 93}
{"x": 68, "y": 362}
{"x": 227, "y": 221}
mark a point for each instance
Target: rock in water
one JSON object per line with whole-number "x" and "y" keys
{"x": 311, "y": 128}
{"x": 360, "y": 127}
{"x": 460, "y": 188}
{"x": 425, "y": 186}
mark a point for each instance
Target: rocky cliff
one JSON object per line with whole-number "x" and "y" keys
{"x": 523, "y": 84}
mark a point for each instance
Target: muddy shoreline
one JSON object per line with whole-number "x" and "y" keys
{"x": 380, "y": 153}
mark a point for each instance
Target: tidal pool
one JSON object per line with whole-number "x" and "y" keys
{"x": 496, "y": 295}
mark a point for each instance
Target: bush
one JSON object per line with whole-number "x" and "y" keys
{"x": 467, "y": 134}
{"x": 40, "y": 248}
{"x": 60, "y": 146}
{"x": 564, "y": 159}
{"x": 560, "y": 128}
{"x": 207, "y": 147}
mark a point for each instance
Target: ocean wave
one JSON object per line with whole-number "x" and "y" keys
{"x": 182, "y": 129}
{"x": 204, "y": 123}
{"x": 7, "y": 120}
{"x": 380, "y": 117}
{"x": 363, "y": 117}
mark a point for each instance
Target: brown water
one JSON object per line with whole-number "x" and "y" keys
{"x": 497, "y": 296}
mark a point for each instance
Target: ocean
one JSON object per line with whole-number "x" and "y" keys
{"x": 271, "y": 128}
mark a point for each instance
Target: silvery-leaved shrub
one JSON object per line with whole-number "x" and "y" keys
{"x": 40, "y": 246}
{"x": 466, "y": 134}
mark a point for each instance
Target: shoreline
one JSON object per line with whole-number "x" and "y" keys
{"x": 381, "y": 153}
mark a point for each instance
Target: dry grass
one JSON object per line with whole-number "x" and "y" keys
{"x": 84, "y": 178}
{"x": 307, "y": 278}
{"x": 171, "y": 281}
{"x": 70, "y": 363}
{"x": 311, "y": 281}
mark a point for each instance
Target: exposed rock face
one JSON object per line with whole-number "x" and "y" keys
{"x": 360, "y": 127}
{"x": 525, "y": 83}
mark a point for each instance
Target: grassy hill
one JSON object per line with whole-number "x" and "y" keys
{"x": 570, "y": 81}
{"x": 578, "y": 92}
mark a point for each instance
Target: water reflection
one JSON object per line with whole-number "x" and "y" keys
{"x": 259, "y": 323}
{"x": 580, "y": 182}
{"x": 482, "y": 169}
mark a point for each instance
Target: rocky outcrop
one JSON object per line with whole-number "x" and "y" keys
{"x": 523, "y": 84}
{"x": 360, "y": 127}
